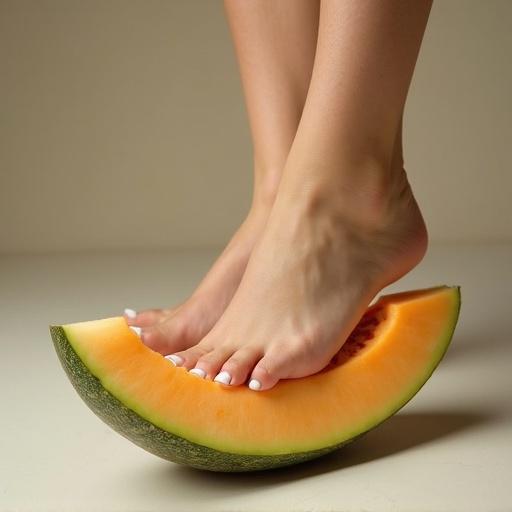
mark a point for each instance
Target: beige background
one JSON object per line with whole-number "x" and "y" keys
{"x": 122, "y": 124}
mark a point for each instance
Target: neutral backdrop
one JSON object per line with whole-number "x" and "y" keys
{"x": 122, "y": 124}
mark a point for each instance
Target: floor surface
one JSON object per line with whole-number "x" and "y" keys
{"x": 449, "y": 449}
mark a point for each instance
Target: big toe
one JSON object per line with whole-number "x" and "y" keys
{"x": 282, "y": 363}
{"x": 145, "y": 318}
{"x": 166, "y": 337}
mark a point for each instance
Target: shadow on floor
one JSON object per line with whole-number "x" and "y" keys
{"x": 398, "y": 434}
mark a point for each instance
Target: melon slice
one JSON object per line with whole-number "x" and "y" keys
{"x": 388, "y": 357}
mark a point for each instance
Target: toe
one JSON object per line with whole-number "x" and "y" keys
{"x": 272, "y": 367}
{"x": 211, "y": 362}
{"x": 145, "y": 318}
{"x": 240, "y": 364}
{"x": 165, "y": 337}
{"x": 190, "y": 356}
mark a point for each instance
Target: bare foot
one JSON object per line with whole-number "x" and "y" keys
{"x": 169, "y": 330}
{"x": 322, "y": 258}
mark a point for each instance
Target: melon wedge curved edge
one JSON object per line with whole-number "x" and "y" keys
{"x": 162, "y": 408}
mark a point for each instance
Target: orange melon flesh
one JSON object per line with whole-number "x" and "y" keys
{"x": 297, "y": 415}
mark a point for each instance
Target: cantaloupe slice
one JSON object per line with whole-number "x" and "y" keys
{"x": 388, "y": 357}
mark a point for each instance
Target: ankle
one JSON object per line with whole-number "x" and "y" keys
{"x": 363, "y": 192}
{"x": 265, "y": 189}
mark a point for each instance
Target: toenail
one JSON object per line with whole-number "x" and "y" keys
{"x": 130, "y": 313}
{"x": 255, "y": 384}
{"x": 198, "y": 372}
{"x": 136, "y": 330}
{"x": 174, "y": 359}
{"x": 223, "y": 378}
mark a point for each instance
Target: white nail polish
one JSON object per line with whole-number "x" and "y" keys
{"x": 136, "y": 330}
{"x": 130, "y": 313}
{"x": 198, "y": 372}
{"x": 255, "y": 384}
{"x": 174, "y": 359}
{"x": 223, "y": 378}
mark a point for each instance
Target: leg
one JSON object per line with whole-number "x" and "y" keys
{"x": 345, "y": 222}
{"x": 275, "y": 74}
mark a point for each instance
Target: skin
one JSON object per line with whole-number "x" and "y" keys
{"x": 275, "y": 72}
{"x": 344, "y": 223}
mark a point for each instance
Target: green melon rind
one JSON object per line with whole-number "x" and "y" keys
{"x": 436, "y": 359}
{"x": 152, "y": 438}
{"x": 182, "y": 451}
